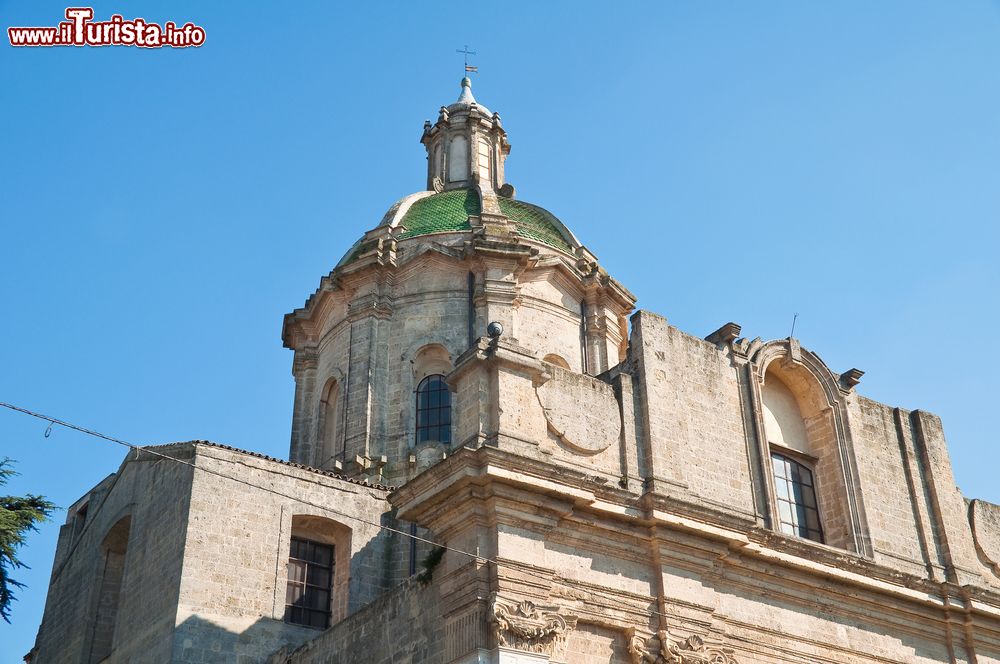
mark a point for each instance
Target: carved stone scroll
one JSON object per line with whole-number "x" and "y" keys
{"x": 661, "y": 648}
{"x": 529, "y": 627}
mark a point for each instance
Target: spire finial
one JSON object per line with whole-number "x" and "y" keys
{"x": 468, "y": 68}
{"x": 466, "y": 96}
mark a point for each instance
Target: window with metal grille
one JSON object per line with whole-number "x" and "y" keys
{"x": 310, "y": 574}
{"x": 796, "y": 494}
{"x": 433, "y": 410}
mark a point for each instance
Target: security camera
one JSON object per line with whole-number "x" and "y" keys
{"x": 494, "y": 330}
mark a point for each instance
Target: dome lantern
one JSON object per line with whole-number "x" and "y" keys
{"x": 467, "y": 146}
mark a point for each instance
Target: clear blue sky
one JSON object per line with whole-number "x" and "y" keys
{"x": 161, "y": 210}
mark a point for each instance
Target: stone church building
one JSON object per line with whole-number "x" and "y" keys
{"x": 494, "y": 460}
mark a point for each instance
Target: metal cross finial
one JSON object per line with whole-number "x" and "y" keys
{"x": 465, "y": 51}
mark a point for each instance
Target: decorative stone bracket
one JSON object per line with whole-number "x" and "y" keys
{"x": 529, "y": 627}
{"x": 661, "y": 648}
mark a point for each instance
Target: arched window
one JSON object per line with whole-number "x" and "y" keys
{"x": 795, "y": 491}
{"x": 485, "y": 161}
{"x": 811, "y": 497}
{"x": 433, "y": 410}
{"x": 458, "y": 159}
{"x": 114, "y": 548}
{"x": 329, "y": 440}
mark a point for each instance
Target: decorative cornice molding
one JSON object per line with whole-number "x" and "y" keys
{"x": 661, "y": 648}
{"x": 530, "y": 627}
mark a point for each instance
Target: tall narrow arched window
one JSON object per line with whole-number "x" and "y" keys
{"x": 433, "y": 410}
{"x": 458, "y": 159}
{"x": 485, "y": 161}
{"x": 330, "y": 437}
{"x": 114, "y": 548}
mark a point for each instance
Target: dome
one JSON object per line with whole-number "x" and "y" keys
{"x": 449, "y": 211}
{"x": 425, "y": 213}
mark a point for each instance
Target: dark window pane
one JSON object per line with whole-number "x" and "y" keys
{"x": 319, "y": 576}
{"x": 433, "y": 416}
{"x": 324, "y": 553}
{"x": 806, "y": 475}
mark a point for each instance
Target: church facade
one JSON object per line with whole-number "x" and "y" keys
{"x": 495, "y": 460}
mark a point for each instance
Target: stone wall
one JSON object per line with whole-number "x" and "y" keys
{"x": 202, "y": 577}
{"x": 154, "y": 495}
{"x": 232, "y": 594}
{"x": 693, "y": 441}
{"x": 402, "y": 627}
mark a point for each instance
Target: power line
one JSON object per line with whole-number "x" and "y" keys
{"x": 397, "y": 531}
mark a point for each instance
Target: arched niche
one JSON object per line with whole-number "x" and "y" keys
{"x": 114, "y": 551}
{"x": 802, "y": 416}
{"x": 331, "y": 436}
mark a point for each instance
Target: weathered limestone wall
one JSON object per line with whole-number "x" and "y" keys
{"x": 232, "y": 593}
{"x": 402, "y": 626}
{"x": 203, "y": 574}
{"x": 155, "y": 494}
{"x": 548, "y": 320}
{"x": 690, "y": 420}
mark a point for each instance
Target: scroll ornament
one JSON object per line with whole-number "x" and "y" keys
{"x": 525, "y": 626}
{"x": 662, "y": 649}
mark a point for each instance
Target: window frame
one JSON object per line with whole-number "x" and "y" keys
{"x": 441, "y": 411}
{"x": 325, "y": 609}
{"x": 796, "y": 509}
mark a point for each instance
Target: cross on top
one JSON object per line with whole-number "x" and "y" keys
{"x": 466, "y": 52}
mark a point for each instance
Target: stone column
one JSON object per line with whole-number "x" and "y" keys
{"x": 303, "y": 412}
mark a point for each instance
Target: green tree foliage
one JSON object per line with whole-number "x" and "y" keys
{"x": 18, "y": 516}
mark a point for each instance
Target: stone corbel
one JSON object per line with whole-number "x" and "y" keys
{"x": 661, "y": 648}
{"x": 725, "y": 335}
{"x": 850, "y": 378}
{"x": 530, "y": 627}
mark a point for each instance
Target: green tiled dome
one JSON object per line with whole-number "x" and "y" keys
{"x": 535, "y": 223}
{"x": 450, "y": 211}
{"x": 447, "y": 211}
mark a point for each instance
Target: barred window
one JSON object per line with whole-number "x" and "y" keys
{"x": 310, "y": 577}
{"x": 433, "y": 410}
{"x": 796, "y": 494}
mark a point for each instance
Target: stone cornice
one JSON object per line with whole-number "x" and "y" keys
{"x": 480, "y": 467}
